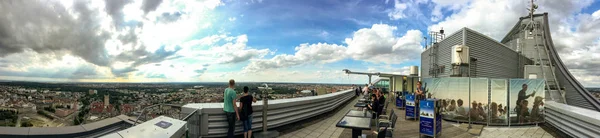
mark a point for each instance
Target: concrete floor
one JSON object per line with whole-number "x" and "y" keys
{"x": 325, "y": 128}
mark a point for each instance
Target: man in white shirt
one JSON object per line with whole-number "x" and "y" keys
{"x": 365, "y": 89}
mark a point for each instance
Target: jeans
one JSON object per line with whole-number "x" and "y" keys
{"x": 247, "y": 123}
{"x": 231, "y": 118}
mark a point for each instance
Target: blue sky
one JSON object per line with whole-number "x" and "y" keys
{"x": 260, "y": 40}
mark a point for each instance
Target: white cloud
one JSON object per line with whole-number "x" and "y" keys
{"x": 378, "y": 44}
{"x": 398, "y": 11}
{"x": 234, "y": 50}
{"x": 232, "y": 19}
{"x": 305, "y": 53}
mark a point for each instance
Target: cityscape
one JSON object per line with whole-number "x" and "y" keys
{"x": 37, "y": 104}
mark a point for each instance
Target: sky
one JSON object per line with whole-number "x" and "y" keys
{"x": 261, "y": 40}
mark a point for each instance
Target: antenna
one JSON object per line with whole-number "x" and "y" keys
{"x": 532, "y": 10}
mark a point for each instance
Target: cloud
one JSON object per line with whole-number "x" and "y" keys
{"x": 234, "y": 50}
{"x": 168, "y": 17}
{"x": 114, "y": 8}
{"x": 398, "y": 11}
{"x": 378, "y": 44}
{"x": 305, "y": 53}
{"x": 150, "y": 5}
{"x": 49, "y": 28}
{"x": 232, "y": 18}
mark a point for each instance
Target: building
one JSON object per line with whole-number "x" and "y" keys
{"x": 93, "y": 92}
{"x": 488, "y": 57}
{"x": 526, "y": 52}
{"x": 97, "y": 107}
{"x": 126, "y": 109}
{"x": 63, "y": 112}
{"x": 106, "y": 100}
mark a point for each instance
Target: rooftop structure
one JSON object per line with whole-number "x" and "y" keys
{"x": 527, "y": 52}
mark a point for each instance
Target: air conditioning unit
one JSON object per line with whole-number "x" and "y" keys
{"x": 460, "y": 55}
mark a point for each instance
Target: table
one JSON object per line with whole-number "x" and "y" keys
{"x": 364, "y": 101}
{"x": 357, "y": 124}
{"x": 356, "y": 113}
{"x": 363, "y": 105}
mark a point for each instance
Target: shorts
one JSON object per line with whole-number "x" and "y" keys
{"x": 247, "y": 124}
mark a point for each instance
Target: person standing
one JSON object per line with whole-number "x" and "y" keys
{"x": 366, "y": 89}
{"x": 230, "y": 108}
{"x": 246, "y": 112}
{"x": 521, "y": 97}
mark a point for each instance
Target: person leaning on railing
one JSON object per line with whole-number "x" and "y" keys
{"x": 246, "y": 112}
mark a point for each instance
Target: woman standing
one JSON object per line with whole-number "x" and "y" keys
{"x": 246, "y": 113}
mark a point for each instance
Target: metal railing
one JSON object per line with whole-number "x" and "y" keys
{"x": 208, "y": 119}
{"x": 573, "y": 121}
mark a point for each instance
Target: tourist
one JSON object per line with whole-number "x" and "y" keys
{"x": 381, "y": 100}
{"x": 230, "y": 108}
{"x": 356, "y": 90}
{"x": 494, "y": 110}
{"x": 501, "y": 110}
{"x": 374, "y": 106}
{"x": 536, "y": 113}
{"x": 366, "y": 89}
{"x": 461, "y": 110}
{"x": 452, "y": 106}
{"x": 522, "y": 96}
{"x": 360, "y": 89}
{"x": 246, "y": 113}
{"x": 473, "y": 111}
{"x": 481, "y": 112}
{"x": 419, "y": 94}
{"x": 524, "y": 112}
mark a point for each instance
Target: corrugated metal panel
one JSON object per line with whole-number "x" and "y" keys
{"x": 425, "y": 63}
{"x": 573, "y": 121}
{"x": 494, "y": 60}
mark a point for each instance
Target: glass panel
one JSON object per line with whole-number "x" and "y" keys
{"x": 456, "y": 89}
{"x": 498, "y": 107}
{"x": 526, "y": 101}
{"x": 479, "y": 100}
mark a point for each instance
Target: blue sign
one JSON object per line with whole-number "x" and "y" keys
{"x": 430, "y": 117}
{"x": 410, "y": 105}
{"x": 400, "y": 101}
{"x": 427, "y": 117}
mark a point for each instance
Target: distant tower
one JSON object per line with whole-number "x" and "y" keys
{"x": 106, "y": 101}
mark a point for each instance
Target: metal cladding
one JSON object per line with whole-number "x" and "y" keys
{"x": 488, "y": 57}
{"x": 519, "y": 49}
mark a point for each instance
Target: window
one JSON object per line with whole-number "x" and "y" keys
{"x": 532, "y": 76}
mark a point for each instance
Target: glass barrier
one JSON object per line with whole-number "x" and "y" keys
{"x": 488, "y": 101}
{"x": 526, "y": 101}
{"x": 499, "y": 104}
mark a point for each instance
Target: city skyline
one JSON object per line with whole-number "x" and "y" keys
{"x": 261, "y": 40}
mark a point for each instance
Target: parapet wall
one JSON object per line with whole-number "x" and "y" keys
{"x": 209, "y": 119}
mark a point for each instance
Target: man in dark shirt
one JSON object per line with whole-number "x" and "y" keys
{"x": 381, "y": 100}
{"x": 374, "y": 106}
{"x": 522, "y": 96}
{"x": 246, "y": 113}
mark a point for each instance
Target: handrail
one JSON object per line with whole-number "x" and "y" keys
{"x": 209, "y": 119}
{"x": 573, "y": 121}
{"x": 189, "y": 115}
